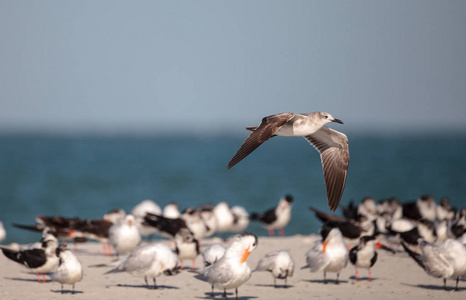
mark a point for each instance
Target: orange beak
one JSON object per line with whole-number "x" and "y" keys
{"x": 378, "y": 245}
{"x": 324, "y": 245}
{"x": 71, "y": 232}
{"x": 245, "y": 255}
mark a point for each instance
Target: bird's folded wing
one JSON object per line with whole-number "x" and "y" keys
{"x": 333, "y": 148}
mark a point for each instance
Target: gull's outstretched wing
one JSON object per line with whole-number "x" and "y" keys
{"x": 333, "y": 148}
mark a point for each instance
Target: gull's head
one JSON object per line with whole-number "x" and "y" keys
{"x": 285, "y": 202}
{"x": 129, "y": 220}
{"x": 328, "y": 118}
{"x": 242, "y": 246}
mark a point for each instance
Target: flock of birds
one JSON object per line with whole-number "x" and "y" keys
{"x": 432, "y": 234}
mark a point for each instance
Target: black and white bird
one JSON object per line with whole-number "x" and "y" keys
{"x": 447, "y": 260}
{"x": 39, "y": 260}
{"x": 364, "y": 255}
{"x": 279, "y": 263}
{"x": 231, "y": 271}
{"x": 331, "y": 144}
{"x": 187, "y": 247}
{"x": 329, "y": 254}
{"x": 277, "y": 217}
{"x": 166, "y": 227}
{"x": 70, "y": 269}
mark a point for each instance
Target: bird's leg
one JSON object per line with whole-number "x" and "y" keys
{"x": 325, "y": 277}
{"x": 72, "y": 291}
{"x": 193, "y": 268}
{"x": 338, "y": 275}
{"x": 357, "y": 274}
{"x": 181, "y": 264}
{"x": 370, "y": 275}
{"x": 271, "y": 232}
{"x": 445, "y": 284}
{"x": 38, "y": 277}
{"x": 236, "y": 292}
{"x": 225, "y": 293}
{"x": 62, "y": 288}
{"x": 145, "y": 279}
{"x": 286, "y": 285}
{"x": 281, "y": 232}
{"x": 109, "y": 248}
{"x": 212, "y": 294}
{"x": 43, "y": 278}
{"x": 274, "y": 282}
{"x": 155, "y": 284}
{"x": 457, "y": 279}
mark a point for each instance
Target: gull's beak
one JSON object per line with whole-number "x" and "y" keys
{"x": 324, "y": 246}
{"x": 338, "y": 121}
{"x": 245, "y": 254}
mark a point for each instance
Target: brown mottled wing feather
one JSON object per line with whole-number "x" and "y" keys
{"x": 267, "y": 128}
{"x": 334, "y": 154}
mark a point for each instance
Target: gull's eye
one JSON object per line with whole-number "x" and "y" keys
{"x": 326, "y": 117}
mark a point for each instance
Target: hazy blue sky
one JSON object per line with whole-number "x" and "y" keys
{"x": 120, "y": 66}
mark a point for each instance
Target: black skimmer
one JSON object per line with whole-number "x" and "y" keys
{"x": 331, "y": 144}
{"x": 279, "y": 263}
{"x": 69, "y": 269}
{"x": 150, "y": 261}
{"x": 165, "y": 226}
{"x": 187, "y": 247}
{"x": 329, "y": 254}
{"x": 364, "y": 255}
{"x": 39, "y": 260}
{"x": 277, "y": 217}
{"x": 231, "y": 271}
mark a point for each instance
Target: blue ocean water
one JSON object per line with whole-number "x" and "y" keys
{"x": 86, "y": 176}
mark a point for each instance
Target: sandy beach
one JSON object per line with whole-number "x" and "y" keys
{"x": 395, "y": 276}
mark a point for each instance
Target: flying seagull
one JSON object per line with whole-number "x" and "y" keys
{"x": 331, "y": 144}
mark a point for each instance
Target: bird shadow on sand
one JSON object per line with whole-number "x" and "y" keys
{"x": 363, "y": 278}
{"x": 435, "y": 287}
{"x": 329, "y": 281}
{"x": 278, "y": 286}
{"x": 70, "y": 292}
{"x": 143, "y": 286}
{"x": 230, "y": 295}
{"x": 26, "y": 279}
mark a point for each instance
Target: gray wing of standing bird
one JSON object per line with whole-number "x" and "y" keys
{"x": 331, "y": 144}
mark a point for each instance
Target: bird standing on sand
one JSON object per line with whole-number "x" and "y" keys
{"x": 447, "y": 260}
{"x": 329, "y": 254}
{"x": 40, "y": 260}
{"x": 331, "y": 144}
{"x": 277, "y": 217}
{"x": 124, "y": 236}
{"x": 364, "y": 255}
{"x": 232, "y": 271}
{"x": 69, "y": 269}
{"x": 150, "y": 261}
{"x": 279, "y": 263}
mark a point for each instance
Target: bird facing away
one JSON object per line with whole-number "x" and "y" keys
{"x": 279, "y": 263}
{"x": 447, "y": 260}
{"x": 331, "y": 144}
{"x": 232, "y": 271}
